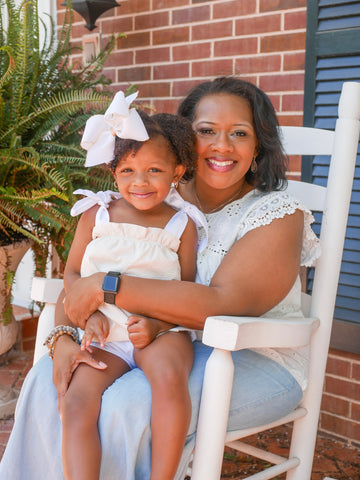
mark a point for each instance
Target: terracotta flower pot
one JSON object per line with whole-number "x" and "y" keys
{"x": 10, "y": 257}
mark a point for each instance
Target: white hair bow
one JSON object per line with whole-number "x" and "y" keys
{"x": 100, "y": 130}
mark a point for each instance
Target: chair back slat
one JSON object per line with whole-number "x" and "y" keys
{"x": 306, "y": 141}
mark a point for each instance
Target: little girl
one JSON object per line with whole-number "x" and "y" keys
{"x": 133, "y": 232}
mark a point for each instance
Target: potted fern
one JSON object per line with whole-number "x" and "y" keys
{"x": 44, "y": 104}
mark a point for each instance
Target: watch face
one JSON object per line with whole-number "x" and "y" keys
{"x": 111, "y": 284}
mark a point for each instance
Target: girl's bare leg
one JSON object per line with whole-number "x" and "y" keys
{"x": 80, "y": 409}
{"x": 167, "y": 362}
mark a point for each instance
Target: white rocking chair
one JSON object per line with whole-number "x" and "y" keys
{"x": 228, "y": 334}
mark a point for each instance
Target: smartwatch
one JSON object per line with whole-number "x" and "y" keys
{"x": 110, "y": 286}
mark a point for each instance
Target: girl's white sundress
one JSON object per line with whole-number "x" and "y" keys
{"x": 135, "y": 250}
{"x": 145, "y": 252}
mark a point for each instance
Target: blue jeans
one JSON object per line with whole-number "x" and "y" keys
{"x": 262, "y": 392}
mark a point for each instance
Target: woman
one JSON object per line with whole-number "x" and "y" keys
{"x": 250, "y": 267}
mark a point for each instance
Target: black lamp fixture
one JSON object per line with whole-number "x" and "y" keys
{"x": 90, "y": 10}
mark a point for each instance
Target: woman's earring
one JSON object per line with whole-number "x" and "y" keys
{"x": 253, "y": 166}
{"x": 175, "y": 184}
{"x": 115, "y": 184}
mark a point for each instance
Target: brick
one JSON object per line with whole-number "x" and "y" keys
{"x": 188, "y": 15}
{"x": 118, "y": 59}
{"x": 338, "y": 366}
{"x": 340, "y": 426}
{"x": 295, "y": 20}
{"x": 259, "y": 63}
{"x": 294, "y": 61}
{"x": 116, "y": 25}
{"x": 260, "y": 24}
{"x": 293, "y": 103}
{"x": 192, "y": 51}
{"x": 7, "y": 377}
{"x": 282, "y": 82}
{"x": 28, "y": 345}
{"x": 134, "y": 6}
{"x": 134, "y": 74}
{"x": 152, "y": 55}
{"x": 294, "y": 163}
{"x": 167, "y": 106}
{"x": 171, "y": 35}
{"x": 275, "y": 100}
{"x": 152, "y": 20}
{"x": 212, "y": 68}
{"x": 283, "y": 42}
{"x": 177, "y": 70}
{"x": 78, "y": 28}
{"x": 239, "y": 46}
{"x": 291, "y": 120}
{"x": 293, "y": 176}
{"x": 155, "y": 90}
{"x": 355, "y": 411}
{"x": 212, "y": 30}
{"x": 343, "y": 388}
{"x": 271, "y": 5}
{"x": 234, "y": 8}
{"x": 336, "y": 405}
{"x": 341, "y": 353}
{"x": 28, "y": 328}
{"x": 110, "y": 73}
{"x": 182, "y": 88}
{"x": 355, "y": 371}
{"x": 133, "y": 40}
{"x": 159, "y": 4}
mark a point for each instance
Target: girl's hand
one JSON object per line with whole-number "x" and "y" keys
{"x": 97, "y": 328}
{"x": 143, "y": 330}
{"x": 67, "y": 357}
{"x": 83, "y": 298}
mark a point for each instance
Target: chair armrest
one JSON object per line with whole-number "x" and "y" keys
{"x": 236, "y": 333}
{"x": 46, "y": 289}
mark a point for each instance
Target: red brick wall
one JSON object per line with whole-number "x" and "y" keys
{"x": 340, "y": 414}
{"x": 171, "y": 45}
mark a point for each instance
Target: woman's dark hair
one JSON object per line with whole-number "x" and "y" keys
{"x": 271, "y": 160}
{"x": 175, "y": 129}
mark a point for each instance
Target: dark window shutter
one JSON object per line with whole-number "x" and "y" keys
{"x": 333, "y": 57}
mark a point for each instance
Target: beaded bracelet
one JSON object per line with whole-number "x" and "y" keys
{"x": 56, "y": 333}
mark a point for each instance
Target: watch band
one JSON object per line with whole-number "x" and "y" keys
{"x": 109, "y": 297}
{"x": 111, "y": 286}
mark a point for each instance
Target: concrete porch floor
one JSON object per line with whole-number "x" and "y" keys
{"x": 333, "y": 458}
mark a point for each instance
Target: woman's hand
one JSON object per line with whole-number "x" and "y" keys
{"x": 83, "y": 298}
{"x": 67, "y": 357}
{"x": 143, "y": 330}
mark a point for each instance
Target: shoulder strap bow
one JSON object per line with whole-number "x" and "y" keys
{"x": 100, "y": 198}
{"x": 175, "y": 200}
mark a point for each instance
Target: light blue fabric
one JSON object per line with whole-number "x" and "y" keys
{"x": 262, "y": 392}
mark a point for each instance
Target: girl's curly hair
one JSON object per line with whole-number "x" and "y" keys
{"x": 175, "y": 129}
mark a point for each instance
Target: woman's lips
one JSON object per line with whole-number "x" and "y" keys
{"x": 220, "y": 165}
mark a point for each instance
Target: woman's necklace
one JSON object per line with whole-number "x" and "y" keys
{"x": 218, "y": 207}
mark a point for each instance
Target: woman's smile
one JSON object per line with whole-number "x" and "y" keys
{"x": 220, "y": 165}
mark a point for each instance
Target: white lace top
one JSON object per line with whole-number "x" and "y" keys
{"x": 230, "y": 224}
